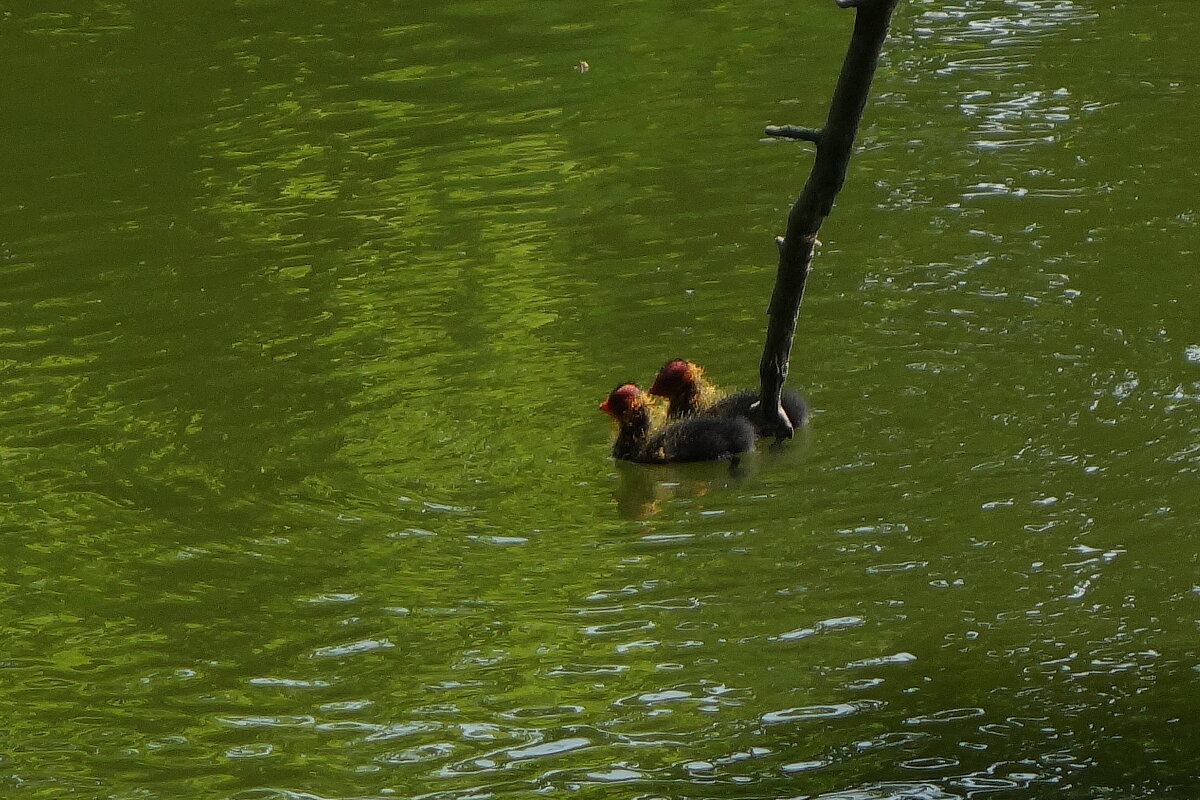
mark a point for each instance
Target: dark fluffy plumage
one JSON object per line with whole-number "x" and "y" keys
{"x": 709, "y": 438}
{"x": 738, "y": 405}
{"x": 702, "y": 439}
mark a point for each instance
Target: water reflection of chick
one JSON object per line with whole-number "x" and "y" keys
{"x": 683, "y": 384}
{"x": 641, "y": 490}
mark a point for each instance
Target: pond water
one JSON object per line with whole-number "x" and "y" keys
{"x": 307, "y": 308}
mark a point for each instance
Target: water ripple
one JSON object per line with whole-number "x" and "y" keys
{"x": 948, "y": 715}
{"x": 831, "y": 711}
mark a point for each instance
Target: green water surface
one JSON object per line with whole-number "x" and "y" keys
{"x": 305, "y": 310}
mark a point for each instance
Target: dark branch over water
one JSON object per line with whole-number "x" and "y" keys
{"x": 835, "y": 144}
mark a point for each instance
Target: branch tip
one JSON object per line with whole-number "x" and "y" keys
{"x": 794, "y": 132}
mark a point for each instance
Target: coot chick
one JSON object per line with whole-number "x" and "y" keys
{"x": 692, "y": 439}
{"x": 688, "y": 394}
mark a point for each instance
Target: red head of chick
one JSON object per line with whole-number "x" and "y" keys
{"x": 682, "y": 383}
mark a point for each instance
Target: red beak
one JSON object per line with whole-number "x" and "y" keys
{"x": 605, "y": 408}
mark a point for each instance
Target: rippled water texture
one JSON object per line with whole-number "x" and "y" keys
{"x": 307, "y": 308}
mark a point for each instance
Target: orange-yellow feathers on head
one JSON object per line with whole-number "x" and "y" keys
{"x": 676, "y": 377}
{"x": 622, "y": 400}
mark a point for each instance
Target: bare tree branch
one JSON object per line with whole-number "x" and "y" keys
{"x": 835, "y": 145}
